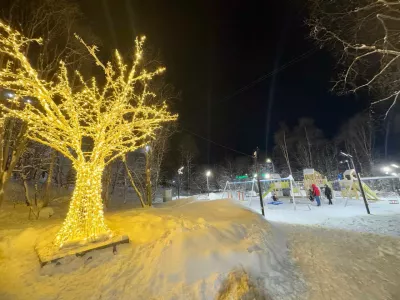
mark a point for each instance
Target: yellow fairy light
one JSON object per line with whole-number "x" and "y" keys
{"x": 116, "y": 117}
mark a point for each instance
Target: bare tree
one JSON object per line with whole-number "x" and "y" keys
{"x": 33, "y": 170}
{"x": 365, "y": 36}
{"x": 144, "y": 167}
{"x": 188, "y": 151}
{"x": 306, "y": 139}
{"x": 358, "y": 137}
{"x": 12, "y": 145}
{"x": 281, "y": 137}
{"x": 224, "y": 172}
{"x": 326, "y": 159}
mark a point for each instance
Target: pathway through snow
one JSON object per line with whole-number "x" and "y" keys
{"x": 343, "y": 265}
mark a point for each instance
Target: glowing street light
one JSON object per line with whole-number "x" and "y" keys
{"x": 347, "y": 162}
{"x": 395, "y": 166}
{"x": 208, "y": 174}
{"x": 269, "y": 161}
{"x": 267, "y": 176}
{"x": 255, "y": 175}
{"x": 386, "y": 169}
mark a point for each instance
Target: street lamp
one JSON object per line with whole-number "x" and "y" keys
{"x": 208, "y": 174}
{"x": 347, "y": 162}
{"x": 269, "y": 161}
{"x": 358, "y": 178}
{"x": 386, "y": 170}
{"x": 180, "y": 172}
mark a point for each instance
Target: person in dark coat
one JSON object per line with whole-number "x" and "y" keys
{"x": 310, "y": 195}
{"x": 316, "y": 194}
{"x": 328, "y": 194}
{"x": 274, "y": 197}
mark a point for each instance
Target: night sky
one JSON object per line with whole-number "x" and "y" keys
{"x": 213, "y": 48}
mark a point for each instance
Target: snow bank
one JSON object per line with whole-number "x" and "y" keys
{"x": 181, "y": 250}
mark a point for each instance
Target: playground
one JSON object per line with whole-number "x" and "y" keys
{"x": 294, "y": 206}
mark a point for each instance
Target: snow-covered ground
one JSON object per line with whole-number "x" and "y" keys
{"x": 184, "y": 249}
{"x": 348, "y": 215}
{"x": 346, "y": 265}
{"x": 219, "y": 249}
{"x": 384, "y": 217}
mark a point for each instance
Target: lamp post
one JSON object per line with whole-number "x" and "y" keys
{"x": 347, "y": 162}
{"x": 180, "y": 172}
{"x": 258, "y": 181}
{"x": 359, "y": 180}
{"x": 208, "y": 174}
{"x": 269, "y": 161}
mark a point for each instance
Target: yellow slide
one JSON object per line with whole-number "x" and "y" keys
{"x": 369, "y": 194}
{"x": 354, "y": 191}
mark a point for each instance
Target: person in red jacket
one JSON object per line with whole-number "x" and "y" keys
{"x": 316, "y": 193}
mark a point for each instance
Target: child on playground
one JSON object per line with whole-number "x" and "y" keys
{"x": 274, "y": 197}
{"x": 310, "y": 195}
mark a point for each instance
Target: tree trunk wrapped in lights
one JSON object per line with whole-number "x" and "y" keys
{"x": 85, "y": 216}
{"x": 116, "y": 117}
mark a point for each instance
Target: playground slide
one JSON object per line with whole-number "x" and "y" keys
{"x": 370, "y": 194}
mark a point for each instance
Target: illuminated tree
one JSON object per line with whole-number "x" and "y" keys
{"x": 53, "y": 20}
{"x": 113, "y": 118}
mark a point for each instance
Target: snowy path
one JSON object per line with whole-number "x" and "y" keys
{"x": 346, "y": 265}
